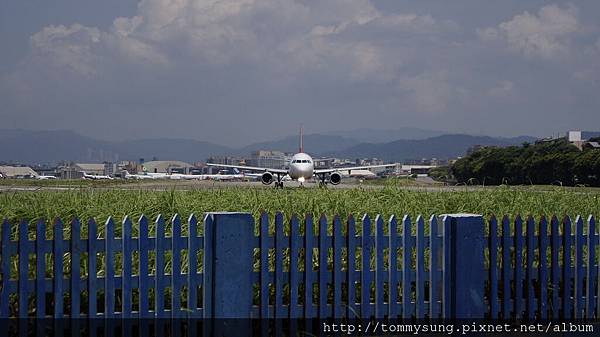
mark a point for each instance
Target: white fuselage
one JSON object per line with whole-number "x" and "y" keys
{"x": 301, "y": 167}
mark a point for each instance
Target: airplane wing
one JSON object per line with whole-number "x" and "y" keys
{"x": 351, "y": 168}
{"x": 251, "y": 168}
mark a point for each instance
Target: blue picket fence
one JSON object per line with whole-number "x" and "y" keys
{"x": 543, "y": 269}
{"x": 229, "y": 266}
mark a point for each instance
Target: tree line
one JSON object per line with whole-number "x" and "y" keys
{"x": 555, "y": 162}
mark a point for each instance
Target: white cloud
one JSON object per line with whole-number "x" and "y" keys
{"x": 429, "y": 92}
{"x": 547, "y": 34}
{"x": 286, "y": 35}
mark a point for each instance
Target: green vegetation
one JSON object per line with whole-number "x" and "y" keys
{"x": 102, "y": 203}
{"x": 543, "y": 163}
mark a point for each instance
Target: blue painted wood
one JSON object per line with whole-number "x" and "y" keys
{"x": 434, "y": 268}
{"x": 420, "y": 270}
{"x": 447, "y": 268}
{"x": 177, "y": 279}
{"x": 40, "y": 268}
{"x": 92, "y": 277}
{"x": 308, "y": 267}
{"x": 352, "y": 311}
{"x": 23, "y": 267}
{"x": 338, "y": 310}
{"x": 264, "y": 268}
{"x": 193, "y": 276}
{"x": 407, "y": 246}
{"x": 58, "y": 252}
{"x": 279, "y": 272}
{"x": 467, "y": 260}
{"x": 592, "y": 271}
{"x": 506, "y": 269}
{"x": 366, "y": 279}
{"x": 579, "y": 306}
{"x": 294, "y": 273}
{"x": 380, "y": 275}
{"x": 232, "y": 256}
{"x": 126, "y": 277}
{"x": 493, "y": 244}
{"x": 518, "y": 297}
{"x": 566, "y": 290}
{"x": 279, "y": 310}
{"x": 109, "y": 273}
{"x": 543, "y": 271}
{"x": 5, "y": 295}
{"x": 161, "y": 279}
{"x": 144, "y": 246}
{"x": 323, "y": 277}
{"x": 556, "y": 268}
{"x": 75, "y": 268}
{"x": 393, "y": 307}
{"x": 530, "y": 308}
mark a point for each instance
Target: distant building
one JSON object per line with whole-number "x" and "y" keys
{"x": 269, "y": 159}
{"x": 17, "y": 172}
{"x": 580, "y": 139}
{"x": 167, "y": 166}
{"x": 76, "y": 170}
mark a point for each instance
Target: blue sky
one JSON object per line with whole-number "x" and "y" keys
{"x": 238, "y": 71}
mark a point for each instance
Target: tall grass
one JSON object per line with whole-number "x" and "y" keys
{"x": 100, "y": 204}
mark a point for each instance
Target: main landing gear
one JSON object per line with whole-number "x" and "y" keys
{"x": 322, "y": 180}
{"x": 279, "y": 182}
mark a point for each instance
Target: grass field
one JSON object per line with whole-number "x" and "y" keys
{"x": 86, "y": 202}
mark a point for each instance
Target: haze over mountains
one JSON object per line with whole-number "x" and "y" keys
{"x": 30, "y": 147}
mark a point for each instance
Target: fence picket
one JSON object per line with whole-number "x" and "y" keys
{"x": 161, "y": 284}
{"x": 127, "y": 270}
{"x": 75, "y": 268}
{"x": 578, "y": 303}
{"x": 493, "y": 244}
{"x": 92, "y": 276}
{"x": 323, "y": 280}
{"x": 23, "y": 264}
{"x": 4, "y": 299}
{"x": 58, "y": 268}
{"x": 279, "y": 310}
{"x": 380, "y": 309}
{"x": 529, "y": 290}
{"x": 420, "y": 270}
{"x": 176, "y": 276}
{"x": 337, "y": 267}
{"x": 434, "y": 263}
{"x": 543, "y": 272}
{"x": 40, "y": 268}
{"x": 406, "y": 268}
{"x": 555, "y": 267}
{"x": 393, "y": 269}
{"x": 507, "y": 308}
{"x": 144, "y": 246}
{"x": 350, "y": 276}
{"x": 294, "y": 312}
{"x": 193, "y": 278}
{"x": 366, "y": 279}
{"x": 308, "y": 267}
{"x": 518, "y": 281}
{"x": 566, "y": 290}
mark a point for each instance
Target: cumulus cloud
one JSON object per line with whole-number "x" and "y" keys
{"x": 286, "y": 34}
{"x": 547, "y": 34}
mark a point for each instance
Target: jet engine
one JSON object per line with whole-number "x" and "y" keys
{"x": 266, "y": 178}
{"x": 335, "y": 178}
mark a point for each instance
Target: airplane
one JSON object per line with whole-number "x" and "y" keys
{"x": 45, "y": 177}
{"x": 95, "y": 177}
{"x": 301, "y": 168}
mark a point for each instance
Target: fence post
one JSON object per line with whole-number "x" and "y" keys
{"x": 466, "y": 270}
{"x": 228, "y": 245}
